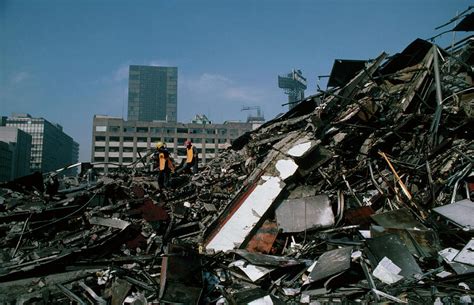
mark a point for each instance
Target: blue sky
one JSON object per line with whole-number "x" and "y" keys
{"x": 67, "y": 60}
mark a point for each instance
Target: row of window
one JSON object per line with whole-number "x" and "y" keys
{"x": 181, "y": 153}
{"x": 180, "y": 141}
{"x": 129, "y": 129}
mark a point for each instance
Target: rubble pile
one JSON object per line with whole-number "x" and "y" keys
{"x": 359, "y": 194}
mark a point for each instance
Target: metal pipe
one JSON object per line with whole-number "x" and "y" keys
{"x": 98, "y": 299}
{"x": 439, "y": 97}
{"x": 373, "y": 179}
{"x": 71, "y": 295}
{"x": 351, "y": 190}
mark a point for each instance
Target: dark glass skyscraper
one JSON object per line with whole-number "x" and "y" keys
{"x": 51, "y": 147}
{"x": 152, "y": 93}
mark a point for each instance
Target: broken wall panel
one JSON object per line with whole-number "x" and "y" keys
{"x": 250, "y": 209}
{"x": 298, "y": 215}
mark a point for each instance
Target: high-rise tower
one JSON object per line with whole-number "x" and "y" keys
{"x": 152, "y": 93}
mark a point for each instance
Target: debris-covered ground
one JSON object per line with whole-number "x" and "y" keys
{"x": 360, "y": 194}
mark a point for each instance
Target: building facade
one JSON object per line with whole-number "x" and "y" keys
{"x": 19, "y": 144}
{"x": 117, "y": 142}
{"x": 6, "y": 164}
{"x": 51, "y": 148}
{"x": 152, "y": 93}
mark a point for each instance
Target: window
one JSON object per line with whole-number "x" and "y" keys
{"x": 196, "y": 130}
{"x": 155, "y": 129}
{"x": 128, "y": 129}
{"x": 101, "y": 128}
{"x": 128, "y": 139}
{"x": 181, "y": 141}
{"x": 181, "y": 152}
{"x": 127, "y": 149}
{"x": 142, "y": 139}
{"x": 114, "y": 139}
{"x": 99, "y": 148}
{"x": 156, "y": 139}
{"x": 142, "y": 129}
{"x": 114, "y": 128}
{"x": 222, "y": 131}
{"x": 128, "y": 159}
{"x": 97, "y": 138}
{"x": 210, "y": 131}
{"x": 114, "y": 159}
{"x": 172, "y": 98}
{"x": 209, "y": 141}
{"x": 99, "y": 159}
{"x": 182, "y": 130}
{"x": 220, "y": 141}
{"x": 169, "y": 140}
{"x": 170, "y": 130}
{"x": 210, "y": 151}
{"x": 113, "y": 149}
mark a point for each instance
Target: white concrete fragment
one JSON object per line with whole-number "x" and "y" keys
{"x": 448, "y": 254}
{"x": 387, "y": 271}
{"x": 365, "y": 233}
{"x": 286, "y": 168}
{"x": 356, "y": 255}
{"x": 300, "y": 149}
{"x": 291, "y": 291}
{"x": 443, "y": 274}
{"x": 253, "y": 272}
{"x": 234, "y": 231}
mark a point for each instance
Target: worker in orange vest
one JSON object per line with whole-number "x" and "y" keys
{"x": 191, "y": 159}
{"x": 164, "y": 165}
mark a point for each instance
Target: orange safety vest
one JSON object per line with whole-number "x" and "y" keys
{"x": 189, "y": 155}
{"x": 165, "y": 161}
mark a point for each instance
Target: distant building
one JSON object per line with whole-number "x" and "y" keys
{"x": 152, "y": 93}
{"x": 75, "y": 152}
{"x": 51, "y": 148}
{"x": 294, "y": 85}
{"x": 19, "y": 145}
{"x": 201, "y": 119}
{"x": 123, "y": 142}
{"x": 257, "y": 119}
{"x": 6, "y": 164}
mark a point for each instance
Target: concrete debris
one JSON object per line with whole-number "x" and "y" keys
{"x": 350, "y": 197}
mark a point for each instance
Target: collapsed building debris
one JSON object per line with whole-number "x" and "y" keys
{"x": 361, "y": 193}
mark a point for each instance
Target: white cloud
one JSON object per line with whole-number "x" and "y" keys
{"x": 219, "y": 97}
{"x": 121, "y": 73}
{"x": 160, "y": 63}
{"x": 20, "y": 77}
{"x": 219, "y": 87}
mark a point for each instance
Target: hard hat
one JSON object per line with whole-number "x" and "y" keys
{"x": 187, "y": 143}
{"x": 159, "y": 145}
